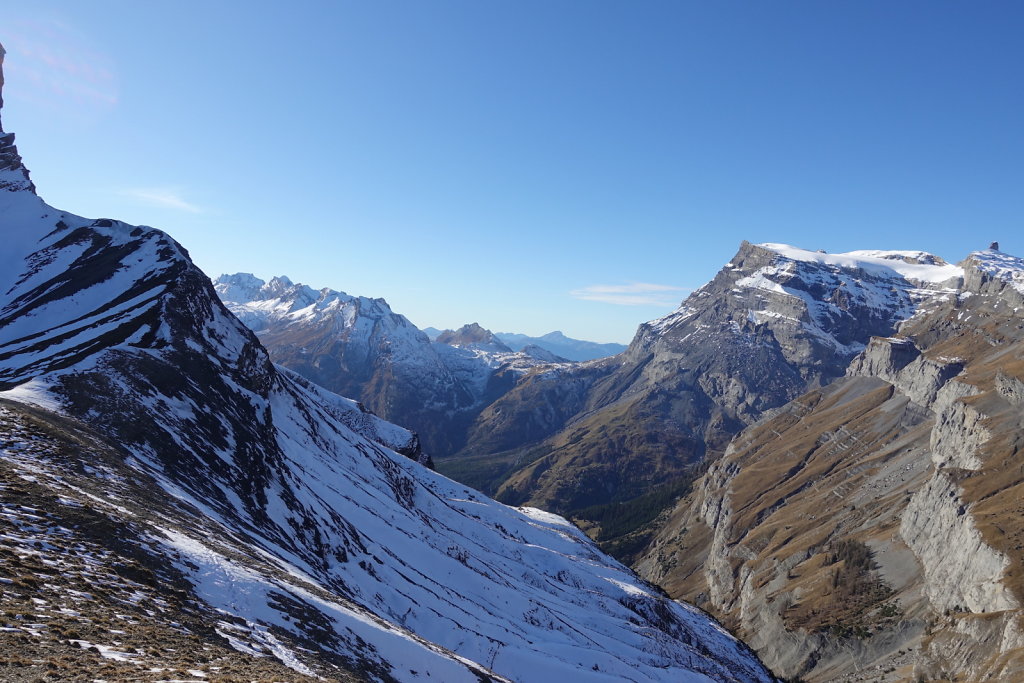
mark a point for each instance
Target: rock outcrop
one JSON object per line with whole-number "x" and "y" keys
{"x": 3, "y": 52}
{"x": 961, "y": 572}
{"x": 13, "y": 174}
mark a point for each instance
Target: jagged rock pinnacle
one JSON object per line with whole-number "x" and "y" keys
{"x": 2, "y": 53}
{"x": 13, "y": 174}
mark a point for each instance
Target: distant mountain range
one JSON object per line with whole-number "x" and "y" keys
{"x": 560, "y": 345}
{"x": 359, "y": 347}
{"x": 555, "y": 342}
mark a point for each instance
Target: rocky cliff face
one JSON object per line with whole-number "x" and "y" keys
{"x": 145, "y": 434}
{"x": 13, "y": 174}
{"x": 359, "y": 347}
{"x": 871, "y": 529}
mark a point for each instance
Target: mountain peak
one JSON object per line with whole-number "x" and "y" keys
{"x": 472, "y": 335}
{"x": 238, "y": 288}
{"x": 277, "y": 286}
{"x": 2, "y": 53}
{"x": 244, "y": 288}
{"x": 994, "y": 271}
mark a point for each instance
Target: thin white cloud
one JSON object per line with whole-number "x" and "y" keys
{"x": 633, "y": 294}
{"x": 161, "y": 197}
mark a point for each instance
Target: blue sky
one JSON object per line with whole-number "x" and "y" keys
{"x": 576, "y": 165}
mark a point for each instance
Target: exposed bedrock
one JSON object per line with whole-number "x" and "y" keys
{"x": 961, "y": 572}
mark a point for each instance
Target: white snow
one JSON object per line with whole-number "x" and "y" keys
{"x": 813, "y": 291}
{"x": 917, "y": 266}
{"x": 106, "y": 651}
{"x": 1009, "y": 269}
{"x": 239, "y": 591}
{"x": 34, "y": 392}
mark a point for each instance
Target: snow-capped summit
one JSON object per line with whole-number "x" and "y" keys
{"x": 239, "y": 288}
{"x": 282, "y": 302}
{"x": 819, "y": 299}
{"x": 913, "y": 266}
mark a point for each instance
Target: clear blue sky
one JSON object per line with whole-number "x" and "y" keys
{"x": 529, "y": 165}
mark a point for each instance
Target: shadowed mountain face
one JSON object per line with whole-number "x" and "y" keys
{"x": 875, "y": 524}
{"x": 144, "y": 426}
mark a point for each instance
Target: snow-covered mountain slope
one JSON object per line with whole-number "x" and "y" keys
{"x": 561, "y": 345}
{"x": 283, "y": 508}
{"x": 359, "y": 347}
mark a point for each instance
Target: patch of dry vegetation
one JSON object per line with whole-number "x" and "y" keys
{"x": 854, "y": 602}
{"x": 82, "y": 596}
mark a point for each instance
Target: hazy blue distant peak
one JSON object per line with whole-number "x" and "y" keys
{"x": 557, "y": 343}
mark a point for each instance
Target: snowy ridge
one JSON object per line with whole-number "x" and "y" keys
{"x": 1004, "y": 267}
{"x": 111, "y": 276}
{"x": 659, "y": 325}
{"x": 916, "y": 266}
{"x": 365, "y": 321}
{"x": 258, "y": 303}
{"x": 824, "y": 294}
